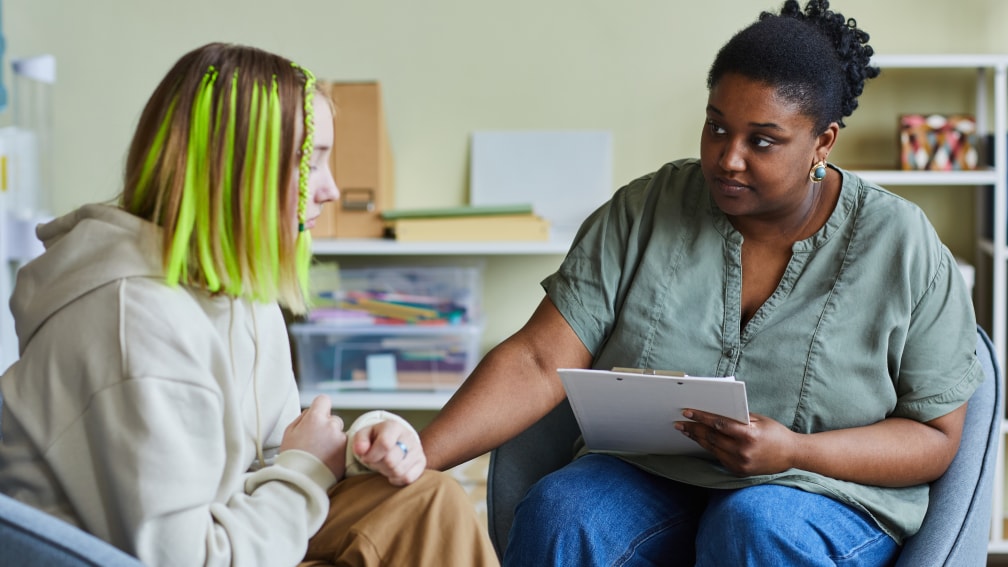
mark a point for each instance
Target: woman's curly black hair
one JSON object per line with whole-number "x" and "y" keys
{"x": 815, "y": 58}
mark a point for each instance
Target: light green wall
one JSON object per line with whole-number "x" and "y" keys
{"x": 449, "y": 67}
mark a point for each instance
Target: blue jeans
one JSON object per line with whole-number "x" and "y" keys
{"x": 600, "y": 510}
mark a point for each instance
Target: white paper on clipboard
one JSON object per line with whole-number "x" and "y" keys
{"x": 628, "y": 412}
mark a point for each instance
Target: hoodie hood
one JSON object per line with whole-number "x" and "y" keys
{"x": 85, "y": 250}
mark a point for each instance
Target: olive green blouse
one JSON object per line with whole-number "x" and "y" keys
{"x": 871, "y": 319}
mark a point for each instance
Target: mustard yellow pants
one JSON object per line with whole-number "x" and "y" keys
{"x": 430, "y": 522}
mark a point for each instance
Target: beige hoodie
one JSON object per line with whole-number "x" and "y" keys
{"x": 137, "y": 410}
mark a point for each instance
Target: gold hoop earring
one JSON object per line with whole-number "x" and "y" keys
{"x": 818, "y": 171}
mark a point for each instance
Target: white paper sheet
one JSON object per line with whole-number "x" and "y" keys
{"x": 563, "y": 174}
{"x": 636, "y": 413}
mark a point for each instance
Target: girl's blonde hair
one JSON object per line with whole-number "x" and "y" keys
{"x": 211, "y": 161}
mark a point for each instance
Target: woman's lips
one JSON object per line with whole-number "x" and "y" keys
{"x": 730, "y": 187}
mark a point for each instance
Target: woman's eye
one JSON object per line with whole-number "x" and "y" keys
{"x": 762, "y": 143}
{"x": 714, "y": 128}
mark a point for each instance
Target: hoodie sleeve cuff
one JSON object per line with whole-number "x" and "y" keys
{"x": 353, "y": 465}
{"x": 308, "y": 465}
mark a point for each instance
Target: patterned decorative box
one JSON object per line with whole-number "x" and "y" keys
{"x": 938, "y": 142}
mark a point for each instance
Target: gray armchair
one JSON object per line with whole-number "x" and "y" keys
{"x": 31, "y": 537}
{"x": 956, "y": 528}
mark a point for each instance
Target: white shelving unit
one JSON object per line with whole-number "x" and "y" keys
{"x": 368, "y": 400}
{"x": 558, "y": 244}
{"x": 989, "y": 68}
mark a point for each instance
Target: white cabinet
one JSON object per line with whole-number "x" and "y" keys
{"x": 991, "y": 77}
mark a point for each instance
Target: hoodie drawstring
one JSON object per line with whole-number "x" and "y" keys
{"x": 255, "y": 374}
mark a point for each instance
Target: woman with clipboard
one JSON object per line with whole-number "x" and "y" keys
{"x": 832, "y": 299}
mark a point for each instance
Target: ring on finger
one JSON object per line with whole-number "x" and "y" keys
{"x": 405, "y": 449}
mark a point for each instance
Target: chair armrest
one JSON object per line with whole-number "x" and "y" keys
{"x": 956, "y": 528}
{"x": 32, "y": 537}
{"x": 517, "y": 464}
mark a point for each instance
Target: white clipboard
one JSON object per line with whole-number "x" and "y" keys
{"x": 627, "y": 411}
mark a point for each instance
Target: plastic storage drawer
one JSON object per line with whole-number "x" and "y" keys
{"x": 332, "y": 358}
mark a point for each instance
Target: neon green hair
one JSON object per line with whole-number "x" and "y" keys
{"x": 227, "y": 229}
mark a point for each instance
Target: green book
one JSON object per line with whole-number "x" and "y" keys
{"x": 460, "y": 211}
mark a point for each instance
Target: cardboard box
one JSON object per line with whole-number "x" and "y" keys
{"x": 361, "y": 163}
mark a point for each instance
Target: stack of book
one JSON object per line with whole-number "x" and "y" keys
{"x": 466, "y": 223}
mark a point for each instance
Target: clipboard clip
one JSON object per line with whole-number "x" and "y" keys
{"x": 648, "y": 371}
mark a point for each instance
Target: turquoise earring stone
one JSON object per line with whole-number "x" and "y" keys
{"x": 820, "y": 172}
